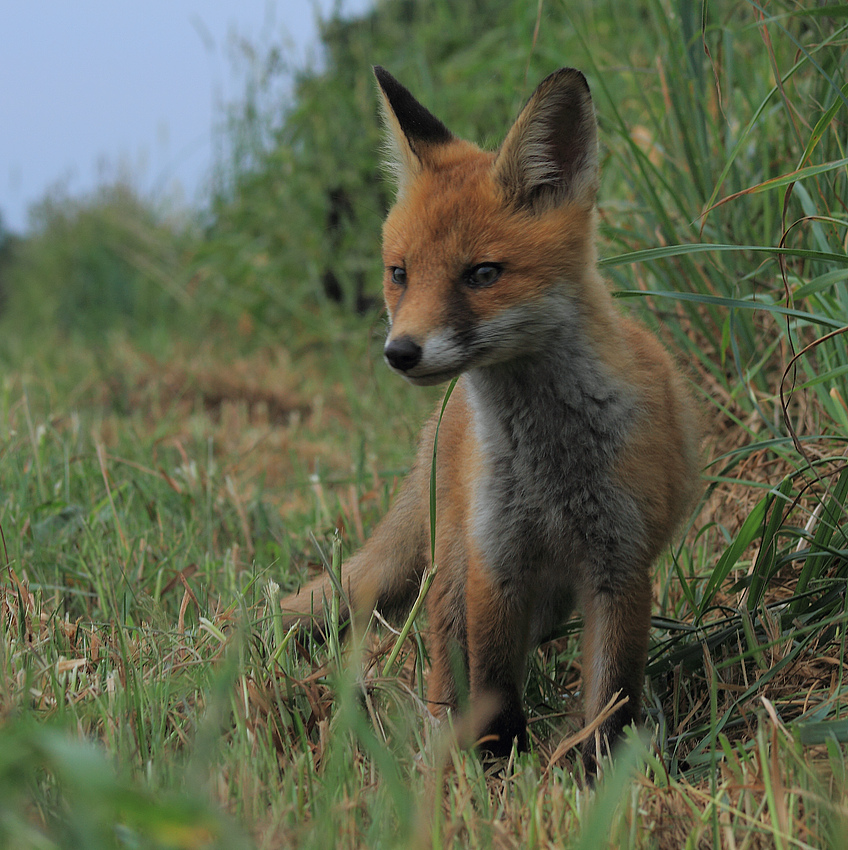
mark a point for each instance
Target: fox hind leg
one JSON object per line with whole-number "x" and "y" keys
{"x": 447, "y": 682}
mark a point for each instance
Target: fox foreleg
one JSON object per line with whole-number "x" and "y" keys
{"x": 615, "y": 645}
{"x": 498, "y": 642}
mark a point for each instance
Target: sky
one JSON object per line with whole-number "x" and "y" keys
{"x": 94, "y": 90}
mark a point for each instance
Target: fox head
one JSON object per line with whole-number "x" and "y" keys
{"x": 486, "y": 254}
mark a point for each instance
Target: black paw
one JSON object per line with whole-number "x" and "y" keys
{"x": 496, "y": 739}
{"x": 603, "y": 742}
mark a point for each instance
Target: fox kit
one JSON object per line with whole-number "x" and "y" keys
{"x": 567, "y": 452}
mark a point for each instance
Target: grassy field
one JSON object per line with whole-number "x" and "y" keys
{"x": 195, "y": 415}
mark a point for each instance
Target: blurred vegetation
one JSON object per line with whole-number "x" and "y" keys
{"x": 190, "y": 408}
{"x": 8, "y": 245}
{"x": 93, "y": 264}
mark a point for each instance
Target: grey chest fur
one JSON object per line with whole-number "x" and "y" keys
{"x": 548, "y": 507}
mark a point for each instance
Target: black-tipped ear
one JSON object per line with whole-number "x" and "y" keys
{"x": 419, "y": 125}
{"x": 412, "y": 130}
{"x": 551, "y": 153}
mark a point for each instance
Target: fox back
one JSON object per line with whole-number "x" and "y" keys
{"x": 567, "y": 453}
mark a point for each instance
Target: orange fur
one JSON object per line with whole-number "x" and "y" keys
{"x": 567, "y": 454}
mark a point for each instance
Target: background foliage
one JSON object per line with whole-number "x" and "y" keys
{"x": 193, "y": 413}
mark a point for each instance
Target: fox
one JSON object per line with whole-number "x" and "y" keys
{"x": 567, "y": 454}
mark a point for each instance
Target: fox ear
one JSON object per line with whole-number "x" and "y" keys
{"x": 412, "y": 129}
{"x": 551, "y": 153}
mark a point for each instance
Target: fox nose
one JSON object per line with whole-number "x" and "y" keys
{"x": 402, "y": 354}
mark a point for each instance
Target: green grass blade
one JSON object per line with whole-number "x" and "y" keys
{"x": 750, "y": 530}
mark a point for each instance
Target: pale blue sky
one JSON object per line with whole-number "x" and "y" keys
{"x": 91, "y": 88}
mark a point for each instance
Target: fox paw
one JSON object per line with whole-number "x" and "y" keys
{"x": 496, "y": 739}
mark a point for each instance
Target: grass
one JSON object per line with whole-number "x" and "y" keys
{"x": 171, "y": 464}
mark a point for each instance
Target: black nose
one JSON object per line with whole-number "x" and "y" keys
{"x": 402, "y": 354}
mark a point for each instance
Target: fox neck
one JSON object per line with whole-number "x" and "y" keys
{"x": 567, "y": 392}
{"x": 550, "y": 427}
{"x": 573, "y": 375}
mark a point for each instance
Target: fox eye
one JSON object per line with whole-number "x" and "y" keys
{"x": 484, "y": 274}
{"x": 398, "y": 275}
